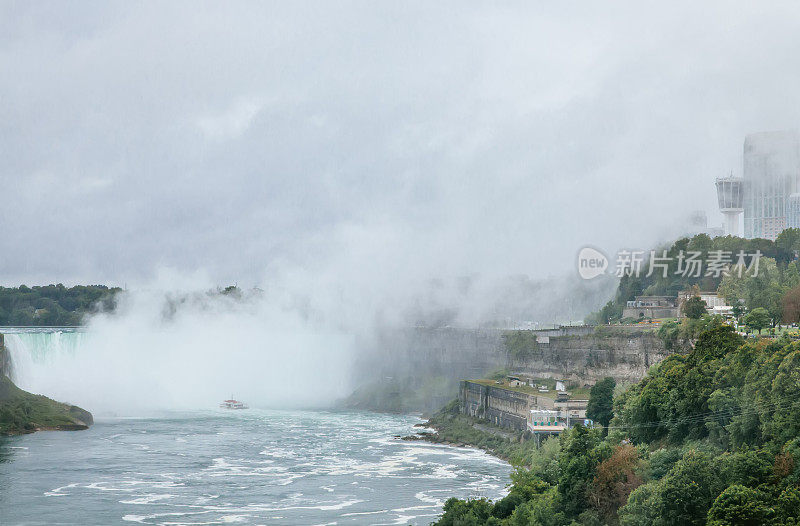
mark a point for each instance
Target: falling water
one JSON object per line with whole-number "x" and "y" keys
{"x": 33, "y": 350}
{"x": 138, "y": 360}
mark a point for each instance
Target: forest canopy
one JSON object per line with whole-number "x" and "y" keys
{"x": 53, "y": 305}
{"x": 769, "y": 285}
{"x": 711, "y": 437}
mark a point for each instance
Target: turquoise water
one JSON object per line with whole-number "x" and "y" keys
{"x": 240, "y": 467}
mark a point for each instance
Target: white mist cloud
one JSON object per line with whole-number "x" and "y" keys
{"x": 147, "y": 357}
{"x": 456, "y": 138}
{"x": 232, "y": 122}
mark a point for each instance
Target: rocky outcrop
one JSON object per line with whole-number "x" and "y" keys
{"x": 419, "y": 368}
{"x": 623, "y": 354}
{"x": 24, "y": 412}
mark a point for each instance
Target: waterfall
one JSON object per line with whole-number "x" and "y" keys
{"x": 33, "y": 351}
{"x": 127, "y": 365}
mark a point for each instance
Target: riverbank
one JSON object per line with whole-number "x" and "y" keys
{"x": 22, "y": 412}
{"x": 456, "y": 429}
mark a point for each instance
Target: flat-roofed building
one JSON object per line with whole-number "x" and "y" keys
{"x": 651, "y": 307}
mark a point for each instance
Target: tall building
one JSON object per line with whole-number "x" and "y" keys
{"x": 731, "y": 202}
{"x": 793, "y": 211}
{"x": 771, "y": 169}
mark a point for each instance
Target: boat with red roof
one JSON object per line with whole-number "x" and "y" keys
{"x": 233, "y": 404}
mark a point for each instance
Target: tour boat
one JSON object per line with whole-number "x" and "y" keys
{"x": 233, "y": 404}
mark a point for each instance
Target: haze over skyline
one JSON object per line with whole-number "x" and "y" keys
{"x": 370, "y": 142}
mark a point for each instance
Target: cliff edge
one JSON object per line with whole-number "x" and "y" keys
{"x": 23, "y": 412}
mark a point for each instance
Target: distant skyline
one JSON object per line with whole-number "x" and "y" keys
{"x": 370, "y": 144}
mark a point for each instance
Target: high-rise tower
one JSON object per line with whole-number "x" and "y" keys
{"x": 731, "y": 198}
{"x": 771, "y": 169}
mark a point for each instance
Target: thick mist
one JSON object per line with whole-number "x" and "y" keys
{"x": 179, "y": 343}
{"x": 476, "y": 138}
{"x": 182, "y": 350}
{"x": 367, "y": 166}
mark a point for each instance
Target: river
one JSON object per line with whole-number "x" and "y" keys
{"x": 256, "y": 466}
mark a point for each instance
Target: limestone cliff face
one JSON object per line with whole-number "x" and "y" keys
{"x": 402, "y": 364}
{"x": 570, "y": 353}
{"x": 623, "y": 355}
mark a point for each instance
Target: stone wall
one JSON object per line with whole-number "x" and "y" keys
{"x": 650, "y": 312}
{"x": 502, "y": 407}
{"x": 623, "y": 354}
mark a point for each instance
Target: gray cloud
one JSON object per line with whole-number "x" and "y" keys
{"x": 371, "y": 144}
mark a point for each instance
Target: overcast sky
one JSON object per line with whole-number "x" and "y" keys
{"x": 371, "y": 141}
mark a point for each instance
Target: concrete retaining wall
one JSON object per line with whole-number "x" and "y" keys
{"x": 501, "y": 407}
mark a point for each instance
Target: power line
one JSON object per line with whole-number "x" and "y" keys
{"x": 749, "y": 409}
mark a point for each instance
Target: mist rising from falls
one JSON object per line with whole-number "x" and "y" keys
{"x": 186, "y": 354}
{"x": 33, "y": 350}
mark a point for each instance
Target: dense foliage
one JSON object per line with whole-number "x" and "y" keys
{"x": 694, "y": 308}
{"x": 678, "y": 335}
{"x": 711, "y": 437}
{"x": 600, "y": 407}
{"x": 778, "y": 273}
{"x": 23, "y": 412}
{"x": 52, "y": 305}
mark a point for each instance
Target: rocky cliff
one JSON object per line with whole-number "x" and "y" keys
{"x": 419, "y": 368}
{"x": 624, "y": 354}
{"x": 24, "y": 412}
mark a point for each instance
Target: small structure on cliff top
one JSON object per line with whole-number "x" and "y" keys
{"x": 514, "y": 381}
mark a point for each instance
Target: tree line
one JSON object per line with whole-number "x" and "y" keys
{"x": 53, "y": 305}
{"x": 774, "y": 285}
{"x": 711, "y": 437}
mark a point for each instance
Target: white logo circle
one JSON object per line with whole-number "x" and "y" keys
{"x": 591, "y": 263}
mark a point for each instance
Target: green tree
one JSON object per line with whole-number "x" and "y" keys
{"x": 739, "y": 506}
{"x": 791, "y": 306}
{"x": 766, "y": 289}
{"x": 601, "y": 401}
{"x": 640, "y": 510}
{"x": 787, "y": 244}
{"x": 473, "y": 512}
{"x": 694, "y": 308}
{"x": 757, "y": 319}
{"x": 687, "y": 492}
{"x": 578, "y": 462}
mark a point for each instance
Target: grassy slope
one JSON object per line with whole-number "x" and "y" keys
{"x": 452, "y": 427}
{"x": 581, "y": 393}
{"x": 23, "y": 412}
